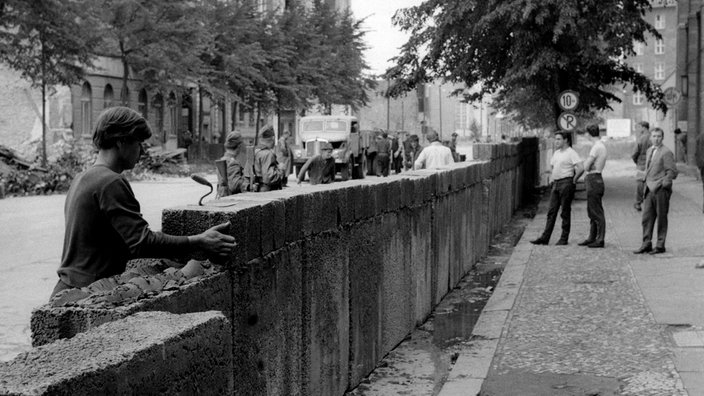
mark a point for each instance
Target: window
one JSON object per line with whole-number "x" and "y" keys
{"x": 638, "y": 48}
{"x": 637, "y": 98}
{"x": 108, "y": 96}
{"x": 659, "y": 71}
{"x": 638, "y": 67}
{"x": 659, "y": 22}
{"x": 86, "y": 109}
{"x": 142, "y": 102}
{"x": 659, "y": 47}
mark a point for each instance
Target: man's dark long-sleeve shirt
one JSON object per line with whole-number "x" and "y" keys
{"x": 104, "y": 229}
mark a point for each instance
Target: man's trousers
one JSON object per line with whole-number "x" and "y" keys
{"x": 561, "y": 196}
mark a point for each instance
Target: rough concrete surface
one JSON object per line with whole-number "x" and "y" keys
{"x": 147, "y": 353}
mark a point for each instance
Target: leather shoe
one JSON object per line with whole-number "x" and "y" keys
{"x": 643, "y": 249}
{"x": 596, "y": 245}
{"x": 586, "y": 242}
{"x": 658, "y": 250}
{"x": 561, "y": 242}
{"x": 539, "y": 241}
{"x": 637, "y": 207}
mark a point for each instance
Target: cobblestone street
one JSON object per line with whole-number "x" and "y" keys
{"x": 605, "y": 321}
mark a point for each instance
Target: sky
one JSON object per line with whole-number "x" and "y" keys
{"x": 383, "y": 39}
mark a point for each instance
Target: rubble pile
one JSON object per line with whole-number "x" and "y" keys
{"x": 142, "y": 279}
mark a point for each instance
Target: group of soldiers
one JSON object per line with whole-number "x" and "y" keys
{"x": 272, "y": 161}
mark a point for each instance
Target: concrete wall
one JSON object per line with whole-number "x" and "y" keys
{"x": 328, "y": 279}
{"x": 147, "y": 353}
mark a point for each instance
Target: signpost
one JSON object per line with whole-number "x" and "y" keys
{"x": 672, "y": 96}
{"x": 568, "y": 100}
{"x": 567, "y": 121}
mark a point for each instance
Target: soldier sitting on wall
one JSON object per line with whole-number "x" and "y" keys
{"x": 321, "y": 168}
{"x": 104, "y": 228}
{"x": 232, "y": 179}
{"x": 268, "y": 175}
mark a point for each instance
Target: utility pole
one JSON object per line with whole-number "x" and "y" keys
{"x": 440, "y": 108}
{"x": 388, "y": 108}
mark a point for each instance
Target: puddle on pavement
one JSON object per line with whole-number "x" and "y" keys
{"x": 455, "y": 325}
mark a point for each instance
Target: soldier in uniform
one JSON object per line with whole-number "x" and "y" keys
{"x": 321, "y": 168}
{"x": 268, "y": 175}
{"x": 284, "y": 154}
{"x": 234, "y": 181}
{"x": 412, "y": 151}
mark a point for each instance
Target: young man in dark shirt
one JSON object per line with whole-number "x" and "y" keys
{"x": 321, "y": 168}
{"x": 104, "y": 226}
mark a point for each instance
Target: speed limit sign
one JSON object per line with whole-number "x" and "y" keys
{"x": 568, "y": 100}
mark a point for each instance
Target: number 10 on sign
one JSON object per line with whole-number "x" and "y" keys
{"x": 568, "y": 100}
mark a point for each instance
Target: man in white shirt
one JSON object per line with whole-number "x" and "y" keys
{"x": 435, "y": 155}
{"x": 566, "y": 170}
{"x": 595, "y": 190}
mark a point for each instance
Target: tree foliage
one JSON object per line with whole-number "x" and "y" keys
{"x": 524, "y": 52}
{"x": 161, "y": 40}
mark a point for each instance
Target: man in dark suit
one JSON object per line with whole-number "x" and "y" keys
{"x": 660, "y": 170}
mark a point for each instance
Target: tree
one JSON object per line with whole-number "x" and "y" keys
{"x": 46, "y": 41}
{"x": 526, "y": 51}
{"x": 161, "y": 40}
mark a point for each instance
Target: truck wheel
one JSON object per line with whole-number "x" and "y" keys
{"x": 347, "y": 169}
{"x": 361, "y": 169}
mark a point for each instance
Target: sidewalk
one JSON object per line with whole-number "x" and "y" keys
{"x": 569, "y": 320}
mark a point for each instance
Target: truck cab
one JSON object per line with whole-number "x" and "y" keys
{"x": 342, "y": 132}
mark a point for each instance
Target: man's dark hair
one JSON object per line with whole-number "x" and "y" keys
{"x": 658, "y": 129}
{"x": 565, "y": 135}
{"x": 593, "y": 130}
{"x": 644, "y": 124}
{"x": 119, "y": 124}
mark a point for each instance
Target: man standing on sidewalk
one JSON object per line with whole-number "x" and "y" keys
{"x": 566, "y": 170}
{"x": 660, "y": 170}
{"x": 595, "y": 190}
{"x": 642, "y": 145}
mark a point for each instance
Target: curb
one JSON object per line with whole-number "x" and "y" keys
{"x": 471, "y": 369}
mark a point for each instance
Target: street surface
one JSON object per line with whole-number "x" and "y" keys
{"x": 570, "y": 320}
{"x": 31, "y": 239}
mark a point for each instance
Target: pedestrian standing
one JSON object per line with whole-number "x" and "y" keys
{"x": 435, "y": 155}
{"x": 638, "y": 156}
{"x": 321, "y": 168}
{"x": 699, "y": 157}
{"x": 284, "y": 154}
{"x": 104, "y": 226}
{"x": 660, "y": 171}
{"x": 453, "y": 147}
{"x": 411, "y": 151}
{"x": 566, "y": 170}
{"x": 593, "y": 166}
{"x": 383, "y": 155}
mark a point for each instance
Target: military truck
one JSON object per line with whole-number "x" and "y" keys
{"x": 340, "y": 131}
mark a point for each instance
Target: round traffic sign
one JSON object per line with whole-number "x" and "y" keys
{"x": 568, "y": 100}
{"x": 672, "y": 96}
{"x": 567, "y": 121}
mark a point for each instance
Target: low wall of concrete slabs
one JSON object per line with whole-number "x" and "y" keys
{"x": 327, "y": 279}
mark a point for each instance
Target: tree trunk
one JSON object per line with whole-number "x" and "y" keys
{"x": 256, "y": 128}
{"x": 43, "y": 106}
{"x": 125, "y": 75}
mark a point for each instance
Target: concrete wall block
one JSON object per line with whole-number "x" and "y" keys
{"x": 421, "y": 258}
{"x": 444, "y": 185}
{"x": 326, "y": 314}
{"x": 49, "y": 323}
{"x": 172, "y": 221}
{"x": 365, "y": 203}
{"x": 365, "y": 296}
{"x": 345, "y": 207}
{"x": 267, "y": 325}
{"x": 408, "y": 192}
{"x": 381, "y": 197}
{"x": 441, "y": 237}
{"x": 146, "y": 353}
{"x": 293, "y": 208}
{"x": 319, "y": 212}
{"x": 397, "y": 298}
{"x": 394, "y": 196}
